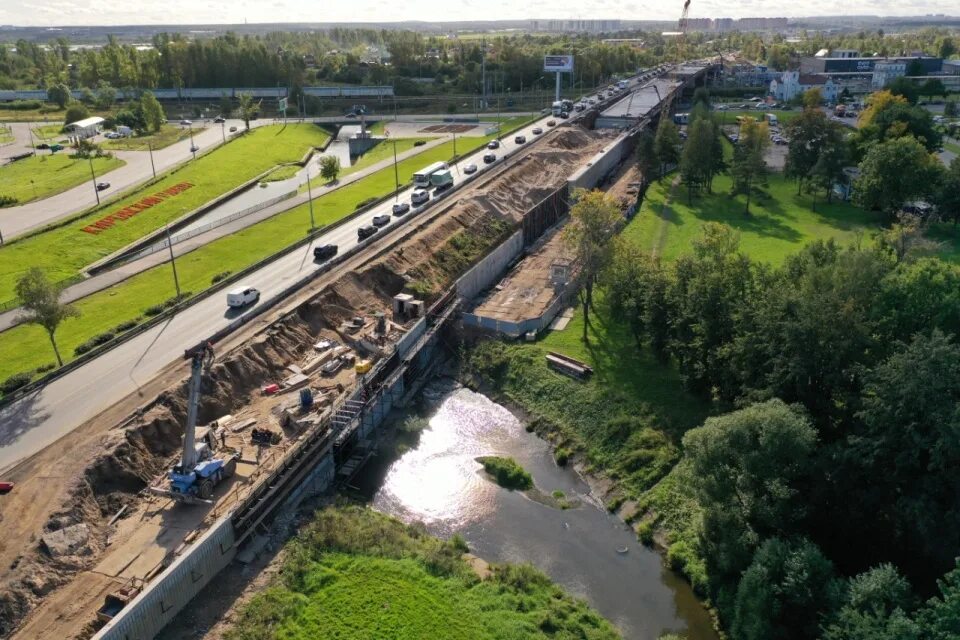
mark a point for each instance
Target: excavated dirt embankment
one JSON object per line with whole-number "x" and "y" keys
{"x": 425, "y": 264}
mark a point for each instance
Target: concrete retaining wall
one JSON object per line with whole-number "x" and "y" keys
{"x": 156, "y": 606}
{"x": 602, "y": 164}
{"x": 488, "y": 270}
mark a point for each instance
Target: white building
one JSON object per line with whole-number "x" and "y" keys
{"x": 884, "y": 72}
{"x": 793, "y": 83}
{"x": 86, "y": 128}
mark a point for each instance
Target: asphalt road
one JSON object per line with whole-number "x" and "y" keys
{"x": 39, "y": 419}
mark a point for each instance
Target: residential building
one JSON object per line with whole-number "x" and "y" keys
{"x": 793, "y": 83}
{"x": 885, "y": 72}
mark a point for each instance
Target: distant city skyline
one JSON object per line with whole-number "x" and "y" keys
{"x": 132, "y": 12}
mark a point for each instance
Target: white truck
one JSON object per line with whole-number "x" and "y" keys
{"x": 557, "y": 107}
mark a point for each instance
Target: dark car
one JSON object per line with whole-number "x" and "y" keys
{"x": 493, "y": 144}
{"x": 219, "y": 119}
{"x": 43, "y": 145}
{"x": 324, "y": 252}
{"x": 489, "y": 158}
{"x": 365, "y": 232}
{"x": 564, "y": 115}
{"x": 103, "y": 186}
{"x": 419, "y": 143}
{"x": 400, "y": 208}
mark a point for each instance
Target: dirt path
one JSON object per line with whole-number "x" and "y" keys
{"x": 667, "y": 217}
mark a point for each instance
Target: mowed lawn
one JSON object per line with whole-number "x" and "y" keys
{"x": 780, "y": 221}
{"x": 168, "y": 135}
{"x": 41, "y": 176}
{"x": 64, "y": 251}
{"x": 26, "y": 347}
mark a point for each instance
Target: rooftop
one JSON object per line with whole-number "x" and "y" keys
{"x": 86, "y": 122}
{"x": 639, "y": 102}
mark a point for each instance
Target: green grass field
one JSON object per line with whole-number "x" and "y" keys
{"x": 49, "y": 131}
{"x": 64, "y": 251}
{"x": 285, "y": 172}
{"x": 169, "y": 134}
{"x": 952, "y": 146}
{"x": 730, "y": 117}
{"x": 44, "y": 175}
{"x": 779, "y": 223}
{"x": 6, "y": 134}
{"x": 359, "y": 575}
{"x": 26, "y": 347}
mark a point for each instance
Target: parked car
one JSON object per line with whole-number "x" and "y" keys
{"x": 194, "y": 148}
{"x": 219, "y": 120}
{"x": 419, "y": 196}
{"x": 489, "y": 158}
{"x": 400, "y": 208}
{"x": 537, "y": 131}
{"x": 520, "y": 139}
{"x": 351, "y": 115}
{"x": 186, "y": 123}
{"x": 233, "y": 129}
{"x": 551, "y": 123}
{"x": 365, "y": 232}
{"x": 241, "y": 296}
{"x": 381, "y": 219}
{"x": 6, "y": 487}
{"x": 112, "y": 135}
{"x": 103, "y": 186}
{"x": 493, "y": 144}
{"x": 43, "y": 145}
{"x": 470, "y": 168}
{"x": 324, "y": 252}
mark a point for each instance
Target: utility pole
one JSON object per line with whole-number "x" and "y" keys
{"x": 223, "y": 131}
{"x": 396, "y": 173}
{"x": 499, "y": 124}
{"x": 310, "y": 200}
{"x": 93, "y": 178}
{"x": 483, "y": 72}
{"x": 152, "y": 166}
{"x": 193, "y": 147}
{"x": 173, "y": 263}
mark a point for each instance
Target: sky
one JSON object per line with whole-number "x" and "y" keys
{"x": 107, "y": 12}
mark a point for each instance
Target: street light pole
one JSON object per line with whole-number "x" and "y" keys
{"x": 152, "y": 166}
{"x": 93, "y": 177}
{"x": 173, "y": 263}
{"x": 310, "y": 200}
{"x": 193, "y": 147}
{"x": 223, "y": 130}
{"x": 396, "y": 173}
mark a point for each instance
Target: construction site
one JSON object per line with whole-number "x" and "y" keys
{"x": 115, "y": 528}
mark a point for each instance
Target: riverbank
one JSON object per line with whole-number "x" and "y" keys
{"x": 623, "y": 445}
{"x": 356, "y": 573}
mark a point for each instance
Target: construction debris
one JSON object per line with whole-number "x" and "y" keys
{"x": 69, "y": 541}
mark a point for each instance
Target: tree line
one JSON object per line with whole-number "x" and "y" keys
{"x": 831, "y": 497}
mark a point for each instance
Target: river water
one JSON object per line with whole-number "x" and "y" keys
{"x": 440, "y": 484}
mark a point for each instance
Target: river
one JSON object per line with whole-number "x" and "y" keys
{"x": 440, "y": 484}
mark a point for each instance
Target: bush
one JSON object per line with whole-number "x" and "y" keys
{"x": 507, "y": 472}
{"x": 368, "y": 201}
{"x": 126, "y": 326}
{"x": 23, "y": 105}
{"x": 50, "y": 366}
{"x": 220, "y": 276}
{"x": 645, "y": 532}
{"x": 562, "y": 456}
{"x": 15, "y": 381}
{"x": 103, "y": 338}
{"x": 154, "y": 310}
{"x": 7, "y": 201}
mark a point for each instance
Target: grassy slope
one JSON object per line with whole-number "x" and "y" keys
{"x": 358, "y": 574}
{"x": 44, "y": 175}
{"x": 26, "y": 347}
{"x": 168, "y": 135}
{"x": 62, "y": 252}
{"x": 49, "y": 131}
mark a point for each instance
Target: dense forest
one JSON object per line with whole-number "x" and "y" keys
{"x": 354, "y": 56}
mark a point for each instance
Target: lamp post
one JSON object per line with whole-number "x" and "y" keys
{"x": 310, "y": 200}
{"x": 153, "y": 167}
{"x": 223, "y": 130}
{"x": 396, "y": 173}
{"x": 173, "y": 263}
{"x": 193, "y": 147}
{"x": 93, "y": 178}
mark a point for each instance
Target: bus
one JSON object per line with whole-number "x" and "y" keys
{"x": 421, "y": 179}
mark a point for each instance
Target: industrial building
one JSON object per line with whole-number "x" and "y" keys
{"x": 829, "y": 64}
{"x": 86, "y": 128}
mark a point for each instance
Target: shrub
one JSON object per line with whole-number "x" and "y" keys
{"x": 50, "y": 366}
{"x": 15, "y": 381}
{"x": 103, "y": 338}
{"x": 23, "y": 105}
{"x": 153, "y": 310}
{"x": 507, "y": 472}
{"x": 420, "y": 288}
{"x": 7, "y": 201}
{"x": 645, "y": 532}
{"x": 368, "y": 201}
{"x": 562, "y": 456}
{"x": 126, "y": 326}
{"x": 220, "y": 276}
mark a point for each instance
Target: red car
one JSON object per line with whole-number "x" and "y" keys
{"x": 6, "y": 487}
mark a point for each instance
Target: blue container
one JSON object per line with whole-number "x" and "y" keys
{"x": 306, "y": 397}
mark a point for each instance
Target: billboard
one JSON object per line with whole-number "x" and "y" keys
{"x": 558, "y": 64}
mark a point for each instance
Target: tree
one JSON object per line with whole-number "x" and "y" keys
{"x": 933, "y": 87}
{"x": 901, "y": 86}
{"x": 329, "y": 168}
{"x": 595, "y": 220}
{"x": 747, "y": 468}
{"x": 898, "y": 120}
{"x": 947, "y": 195}
{"x": 696, "y": 163}
{"x": 76, "y": 111}
{"x": 894, "y": 172}
{"x": 832, "y": 160}
{"x": 701, "y": 96}
{"x": 646, "y": 159}
{"x": 152, "y": 112}
{"x": 875, "y": 606}
{"x": 106, "y": 95}
{"x": 812, "y": 99}
{"x": 783, "y": 593}
{"x": 248, "y": 109}
{"x": 877, "y": 102}
{"x": 748, "y": 166}
{"x": 666, "y": 144}
{"x": 807, "y": 135}
{"x": 40, "y": 300}
{"x": 59, "y": 94}
{"x": 906, "y": 237}
{"x": 908, "y": 447}
{"x": 950, "y": 109}
{"x": 940, "y": 618}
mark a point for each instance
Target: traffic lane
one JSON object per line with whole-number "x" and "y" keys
{"x": 42, "y": 417}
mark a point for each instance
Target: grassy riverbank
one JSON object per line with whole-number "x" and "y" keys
{"x": 507, "y": 472}
{"x": 355, "y": 573}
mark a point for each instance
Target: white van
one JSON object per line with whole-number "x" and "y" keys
{"x": 242, "y": 296}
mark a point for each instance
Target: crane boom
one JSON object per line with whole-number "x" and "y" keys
{"x": 201, "y": 359}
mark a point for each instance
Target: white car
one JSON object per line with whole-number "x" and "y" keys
{"x": 242, "y": 296}
{"x": 381, "y": 220}
{"x": 419, "y": 196}
{"x": 470, "y": 168}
